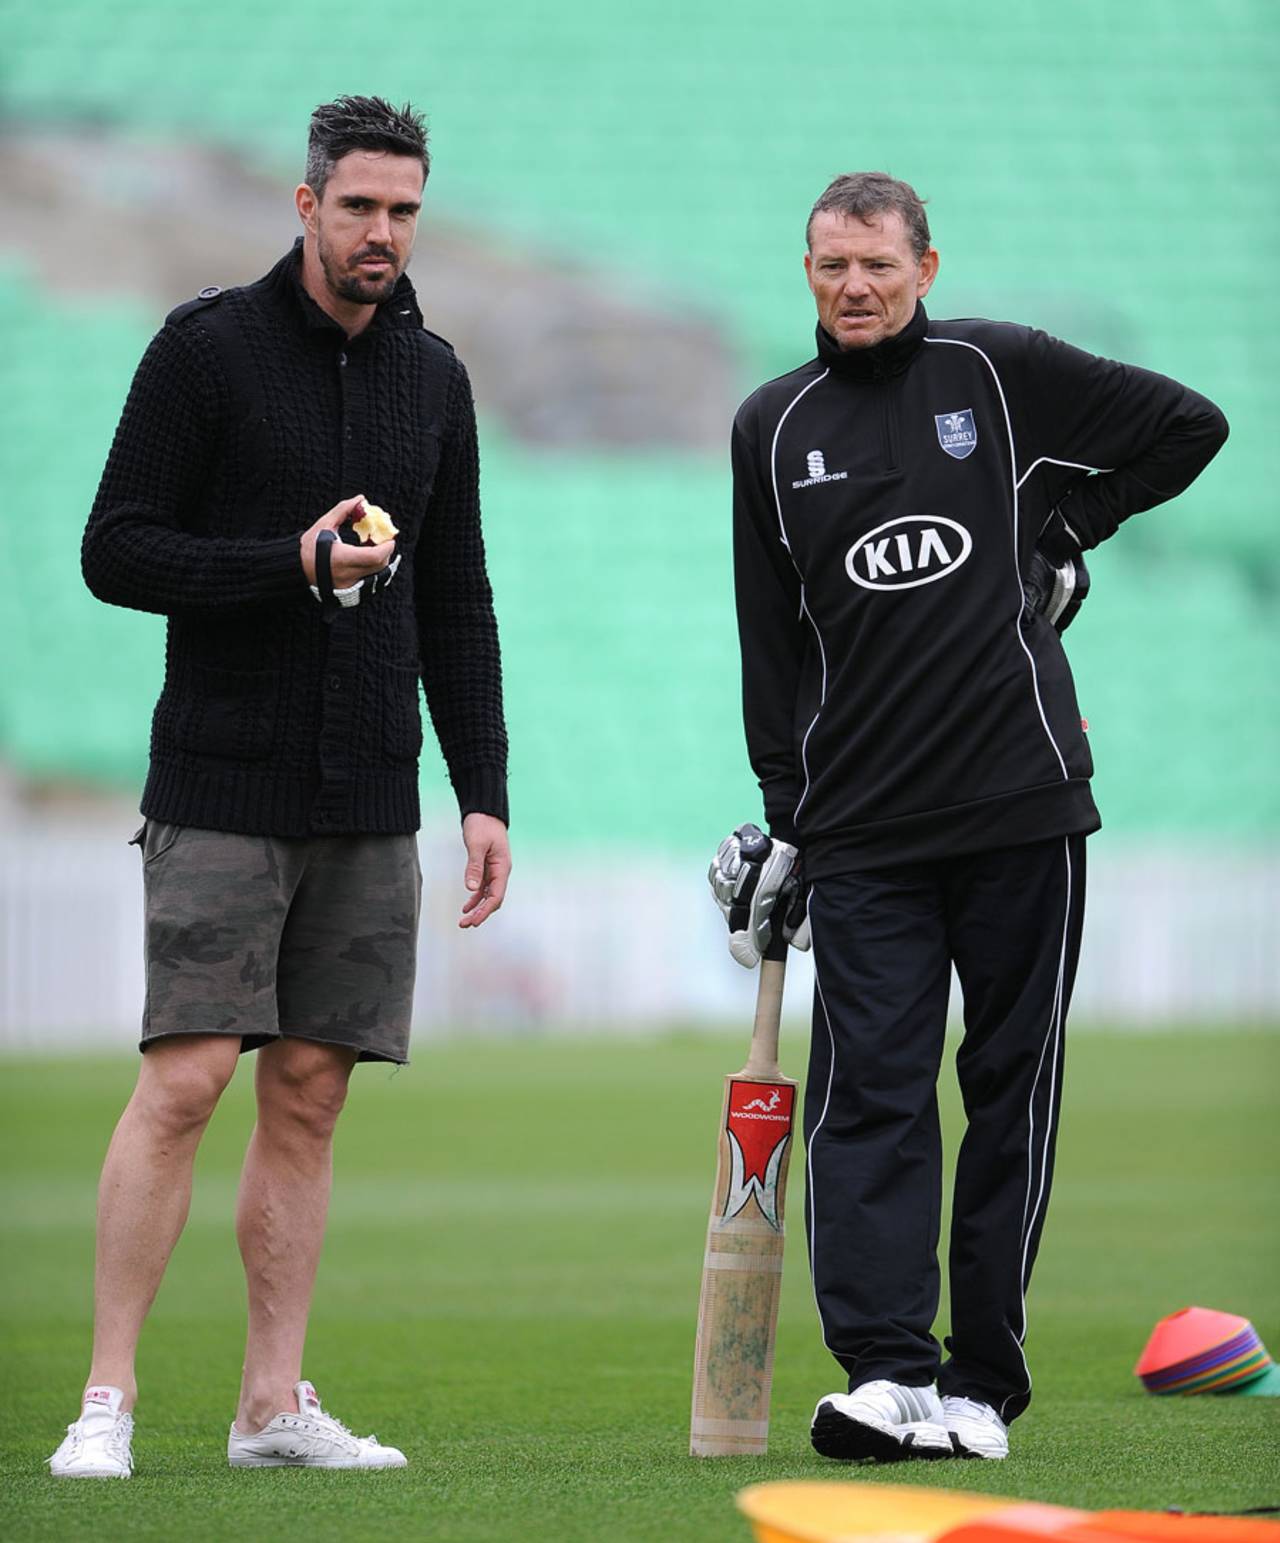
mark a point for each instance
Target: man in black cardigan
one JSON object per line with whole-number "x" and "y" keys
{"x": 279, "y": 854}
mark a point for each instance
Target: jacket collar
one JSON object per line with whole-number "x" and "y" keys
{"x": 284, "y": 283}
{"x": 887, "y": 358}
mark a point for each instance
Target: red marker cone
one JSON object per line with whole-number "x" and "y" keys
{"x": 1198, "y": 1350}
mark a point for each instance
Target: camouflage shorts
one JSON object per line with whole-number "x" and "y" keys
{"x": 260, "y": 936}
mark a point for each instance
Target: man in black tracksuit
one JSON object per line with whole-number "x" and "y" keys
{"x": 912, "y": 720}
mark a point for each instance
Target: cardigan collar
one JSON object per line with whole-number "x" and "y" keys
{"x": 887, "y": 358}
{"x": 284, "y": 281}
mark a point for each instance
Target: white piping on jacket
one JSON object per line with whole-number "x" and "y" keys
{"x": 804, "y": 604}
{"x": 1015, "y": 485}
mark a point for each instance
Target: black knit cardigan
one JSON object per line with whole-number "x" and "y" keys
{"x": 250, "y": 415}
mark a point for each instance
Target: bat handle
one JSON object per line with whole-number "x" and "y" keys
{"x": 762, "y": 1060}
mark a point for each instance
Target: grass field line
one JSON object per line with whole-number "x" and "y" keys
{"x": 39, "y": 1204}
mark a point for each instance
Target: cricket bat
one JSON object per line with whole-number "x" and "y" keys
{"x": 742, "y": 1267}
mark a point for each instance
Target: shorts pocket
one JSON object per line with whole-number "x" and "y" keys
{"x": 157, "y": 837}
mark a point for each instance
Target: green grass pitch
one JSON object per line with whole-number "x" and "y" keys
{"x": 511, "y": 1278}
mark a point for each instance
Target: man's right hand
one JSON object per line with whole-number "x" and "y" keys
{"x": 350, "y": 563}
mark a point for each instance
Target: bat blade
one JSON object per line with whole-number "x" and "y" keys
{"x": 742, "y": 1269}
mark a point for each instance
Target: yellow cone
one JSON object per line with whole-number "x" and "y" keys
{"x": 803, "y": 1511}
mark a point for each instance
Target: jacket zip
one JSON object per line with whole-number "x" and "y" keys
{"x": 888, "y": 420}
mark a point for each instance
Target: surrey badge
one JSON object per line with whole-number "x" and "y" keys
{"x": 957, "y": 433}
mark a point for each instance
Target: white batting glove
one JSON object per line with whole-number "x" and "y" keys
{"x": 755, "y": 880}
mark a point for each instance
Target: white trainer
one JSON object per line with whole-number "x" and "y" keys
{"x": 976, "y": 1429}
{"x": 884, "y": 1421}
{"x": 99, "y": 1445}
{"x": 309, "y": 1439}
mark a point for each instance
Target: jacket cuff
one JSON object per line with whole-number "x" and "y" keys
{"x": 783, "y": 828}
{"x": 481, "y": 790}
{"x": 277, "y": 568}
{"x": 1059, "y": 539}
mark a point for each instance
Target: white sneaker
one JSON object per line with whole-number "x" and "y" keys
{"x": 976, "y": 1429}
{"x": 309, "y": 1439}
{"x": 884, "y": 1421}
{"x": 99, "y": 1444}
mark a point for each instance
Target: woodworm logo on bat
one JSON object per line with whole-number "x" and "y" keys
{"x": 755, "y": 1150}
{"x": 775, "y": 1098}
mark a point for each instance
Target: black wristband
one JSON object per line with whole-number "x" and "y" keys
{"x": 329, "y": 603}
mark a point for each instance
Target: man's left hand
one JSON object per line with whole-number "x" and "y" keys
{"x": 488, "y": 867}
{"x": 1056, "y": 590}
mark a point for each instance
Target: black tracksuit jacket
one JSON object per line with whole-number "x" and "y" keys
{"x": 902, "y": 703}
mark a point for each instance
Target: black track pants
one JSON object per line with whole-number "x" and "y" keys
{"x": 884, "y": 942}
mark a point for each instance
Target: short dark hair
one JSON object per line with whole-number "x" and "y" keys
{"x": 362, "y": 123}
{"x": 863, "y": 194}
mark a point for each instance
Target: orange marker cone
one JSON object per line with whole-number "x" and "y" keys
{"x": 1054, "y": 1524}
{"x": 843, "y": 1511}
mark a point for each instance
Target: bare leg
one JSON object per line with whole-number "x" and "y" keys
{"x": 281, "y": 1213}
{"x": 145, "y": 1191}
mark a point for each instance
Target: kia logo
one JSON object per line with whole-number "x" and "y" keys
{"x": 904, "y": 553}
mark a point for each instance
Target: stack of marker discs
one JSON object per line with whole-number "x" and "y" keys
{"x": 1200, "y": 1351}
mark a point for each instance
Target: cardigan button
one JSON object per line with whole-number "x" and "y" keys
{"x": 335, "y": 683}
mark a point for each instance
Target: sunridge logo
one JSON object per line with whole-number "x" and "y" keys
{"x": 905, "y": 553}
{"x": 816, "y": 462}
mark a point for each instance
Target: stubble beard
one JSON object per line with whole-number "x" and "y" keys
{"x": 351, "y": 286}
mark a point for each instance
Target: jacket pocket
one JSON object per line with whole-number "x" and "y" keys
{"x": 427, "y": 460}
{"x": 230, "y": 714}
{"x": 402, "y": 716}
{"x": 1057, "y": 693}
{"x": 408, "y": 493}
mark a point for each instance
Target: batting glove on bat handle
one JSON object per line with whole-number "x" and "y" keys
{"x": 755, "y": 881}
